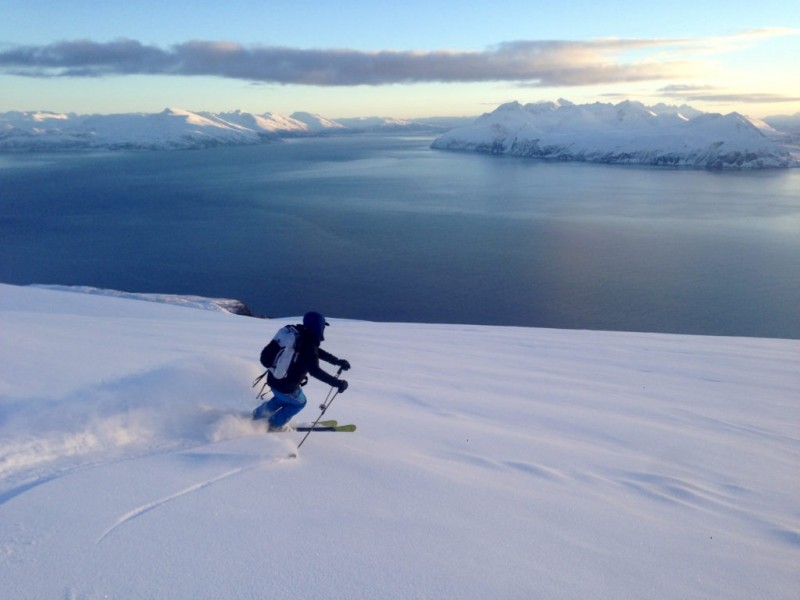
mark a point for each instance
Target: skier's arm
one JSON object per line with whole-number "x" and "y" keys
{"x": 327, "y": 356}
{"x": 330, "y": 358}
{"x": 316, "y": 372}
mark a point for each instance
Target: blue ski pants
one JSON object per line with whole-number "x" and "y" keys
{"x": 284, "y": 406}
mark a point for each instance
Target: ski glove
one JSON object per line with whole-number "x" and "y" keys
{"x": 344, "y": 364}
{"x": 341, "y": 385}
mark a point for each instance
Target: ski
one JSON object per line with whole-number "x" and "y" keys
{"x": 329, "y": 423}
{"x": 321, "y": 427}
{"x": 309, "y": 424}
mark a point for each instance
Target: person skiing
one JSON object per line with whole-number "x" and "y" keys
{"x": 292, "y": 355}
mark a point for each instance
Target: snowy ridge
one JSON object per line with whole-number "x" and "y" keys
{"x": 625, "y": 133}
{"x": 581, "y": 465}
{"x": 226, "y": 305}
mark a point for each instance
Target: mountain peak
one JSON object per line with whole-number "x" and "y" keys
{"x": 315, "y": 122}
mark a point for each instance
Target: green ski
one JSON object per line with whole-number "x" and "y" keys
{"x": 322, "y": 427}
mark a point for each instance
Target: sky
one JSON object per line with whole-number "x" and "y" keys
{"x": 413, "y": 59}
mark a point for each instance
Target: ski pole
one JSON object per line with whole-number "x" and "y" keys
{"x": 324, "y": 406}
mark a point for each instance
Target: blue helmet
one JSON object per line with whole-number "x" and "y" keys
{"x": 315, "y": 323}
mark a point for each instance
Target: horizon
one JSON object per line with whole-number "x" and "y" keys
{"x": 201, "y": 111}
{"x": 416, "y": 61}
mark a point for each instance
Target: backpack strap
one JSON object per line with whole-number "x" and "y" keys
{"x": 263, "y": 391}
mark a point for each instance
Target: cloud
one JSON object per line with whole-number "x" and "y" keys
{"x": 542, "y": 63}
{"x": 756, "y": 35}
{"x": 539, "y": 63}
{"x": 683, "y": 89}
{"x": 84, "y": 58}
{"x": 707, "y": 93}
{"x": 746, "y": 98}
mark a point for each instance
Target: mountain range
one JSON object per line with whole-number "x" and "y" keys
{"x": 175, "y": 128}
{"x": 628, "y": 132}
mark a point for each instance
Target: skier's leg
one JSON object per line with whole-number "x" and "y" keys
{"x": 262, "y": 411}
{"x": 290, "y": 405}
{"x": 268, "y": 408}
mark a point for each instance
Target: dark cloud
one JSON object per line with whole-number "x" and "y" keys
{"x": 83, "y": 58}
{"x": 538, "y": 63}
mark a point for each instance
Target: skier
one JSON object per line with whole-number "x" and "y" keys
{"x": 291, "y": 356}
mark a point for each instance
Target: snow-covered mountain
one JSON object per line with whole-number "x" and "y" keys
{"x": 501, "y": 462}
{"x": 383, "y": 124}
{"x": 172, "y": 128}
{"x": 316, "y": 123}
{"x": 628, "y": 133}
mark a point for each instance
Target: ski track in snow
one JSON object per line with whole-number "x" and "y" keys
{"x": 145, "y": 508}
{"x": 21, "y": 489}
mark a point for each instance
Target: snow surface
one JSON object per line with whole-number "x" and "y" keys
{"x": 626, "y": 133}
{"x": 489, "y": 462}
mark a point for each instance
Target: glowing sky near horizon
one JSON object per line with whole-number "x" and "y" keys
{"x": 354, "y": 58}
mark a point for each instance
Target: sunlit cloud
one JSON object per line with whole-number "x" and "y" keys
{"x": 701, "y": 47}
{"x": 746, "y": 98}
{"x": 538, "y": 63}
{"x": 706, "y": 93}
{"x": 682, "y": 89}
{"x": 754, "y": 35}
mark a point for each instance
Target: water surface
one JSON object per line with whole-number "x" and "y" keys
{"x": 383, "y": 228}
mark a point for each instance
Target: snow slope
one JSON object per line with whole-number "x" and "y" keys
{"x": 627, "y": 133}
{"x": 489, "y": 461}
